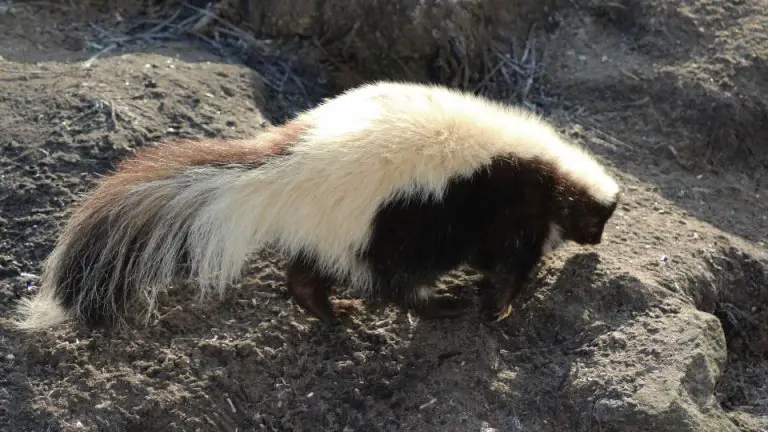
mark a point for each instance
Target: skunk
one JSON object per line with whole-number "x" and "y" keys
{"x": 383, "y": 189}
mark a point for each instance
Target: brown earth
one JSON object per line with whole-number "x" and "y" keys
{"x": 662, "y": 328}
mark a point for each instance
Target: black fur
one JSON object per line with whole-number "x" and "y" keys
{"x": 495, "y": 221}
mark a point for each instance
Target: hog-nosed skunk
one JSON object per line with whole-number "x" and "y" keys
{"x": 382, "y": 188}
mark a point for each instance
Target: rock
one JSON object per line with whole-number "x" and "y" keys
{"x": 674, "y": 391}
{"x": 600, "y": 350}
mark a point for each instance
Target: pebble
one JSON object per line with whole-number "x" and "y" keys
{"x": 10, "y": 357}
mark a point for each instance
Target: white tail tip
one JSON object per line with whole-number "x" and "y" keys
{"x": 39, "y": 312}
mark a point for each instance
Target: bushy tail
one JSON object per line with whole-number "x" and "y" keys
{"x": 174, "y": 211}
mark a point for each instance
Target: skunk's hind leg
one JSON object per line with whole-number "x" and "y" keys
{"x": 311, "y": 291}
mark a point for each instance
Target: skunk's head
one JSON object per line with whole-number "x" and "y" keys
{"x": 582, "y": 218}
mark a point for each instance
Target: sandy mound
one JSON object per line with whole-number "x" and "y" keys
{"x": 660, "y": 328}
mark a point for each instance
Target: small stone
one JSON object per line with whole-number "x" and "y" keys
{"x": 10, "y": 357}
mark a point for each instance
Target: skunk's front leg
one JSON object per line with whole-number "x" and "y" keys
{"x": 501, "y": 285}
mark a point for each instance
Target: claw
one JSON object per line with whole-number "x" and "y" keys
{"x": 494, "y": 316}
{"x": 504, "y": 313}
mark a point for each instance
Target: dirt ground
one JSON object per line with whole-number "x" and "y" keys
{"x": 663, "y": 327}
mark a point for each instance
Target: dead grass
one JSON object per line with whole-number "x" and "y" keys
{"x": 512, "y": 68}
{"x": 513, "y": 72}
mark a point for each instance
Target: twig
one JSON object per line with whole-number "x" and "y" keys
{"x": 210, "y": 41}
{"x": 93, "y": 109}
{"x": 232, "y": 406}
{"x": 428, "y": 404}
{"x": 87, "y": 64}
{"x": 591, "y": 125}
{"x": 162, "y": 24}
{"x": 19, "y": 71}
{"x": 531, "y": 68}
{"x": 510, "y": 63}
{"x": 204, "y": 21}
{"x": 106, "y": 34}
{"x": 113, "y": 115}
{"x": 230, "y": 26}
{"x": 347, "y": 40}
{"x": 679, "y": 159}
{"x": 488, "y": 76}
